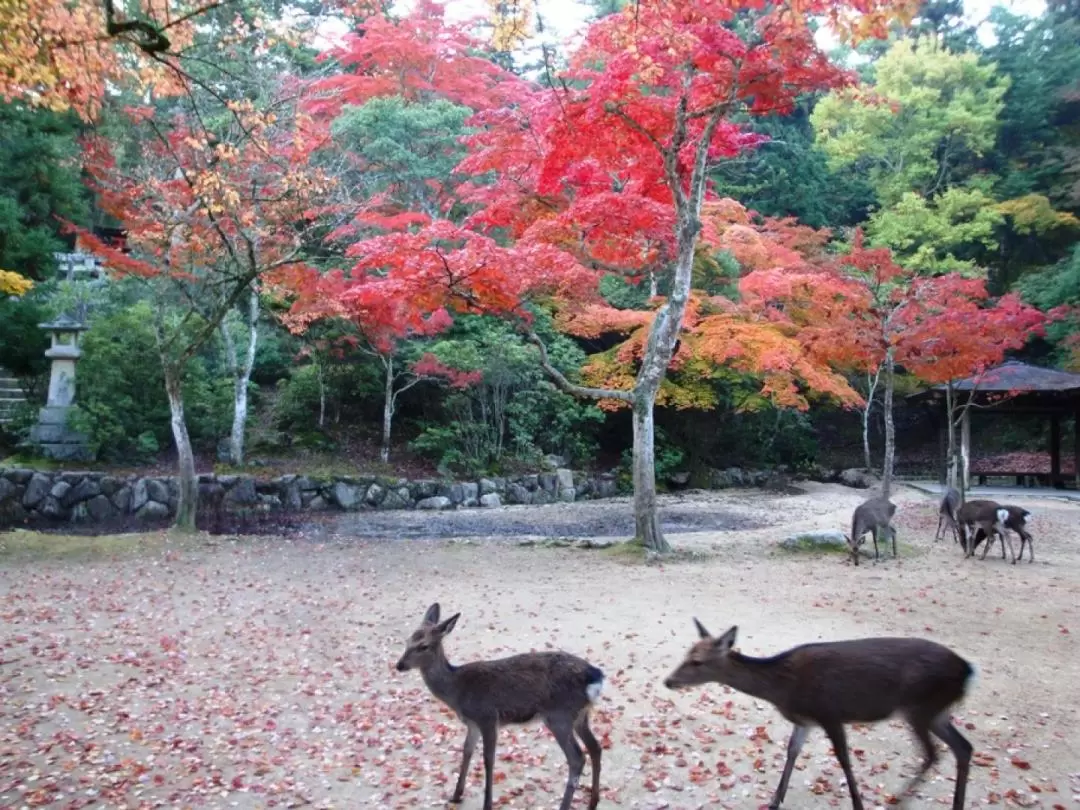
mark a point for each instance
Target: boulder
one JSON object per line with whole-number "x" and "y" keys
{"x": 86, "y": 489}
{"x": 121, "y": 499}
{"x": 487, "y": 486}
{"x": 152, "y": 510}
{"x": 99, "y": 508}
{"x": 436, "y": 502}
{"x": 823, "y": 539}
{"x": 60, "y": 490}
{"x": 243, "y": 493}
{"x": 858, "y": 478}
{"x": 490, "y": 499}
{"x": 346, "y": 496}
{"x": 396, "y": 499}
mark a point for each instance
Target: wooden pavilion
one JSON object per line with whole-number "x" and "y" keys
{"x": 1012, "y": 388}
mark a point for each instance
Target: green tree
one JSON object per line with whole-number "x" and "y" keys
{"x": 40, "y": 181}
{"x": 928, "y": 120}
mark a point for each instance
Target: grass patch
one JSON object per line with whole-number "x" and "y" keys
{"x": 629, "y": 551}
{"x": 808, "y": 546}
{"x": 22, "y": 461}
{"x": 22, "y": 545}
{"x": 634, "y": 551}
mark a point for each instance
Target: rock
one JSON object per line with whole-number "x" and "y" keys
{"x": 86, "y": 489}
{"x": 607, "y": 486}
{"x": 211, "y": 494}
{"x": 823, "y": 539}
{"x": 424, "y": 489}
{"x": 292, "y": 496}
{"x": 19, "y": 476}
{"x": 679, "y": 479}
{"x": 543, "y": 496}
{"x": 553, "y": 462}
{"x": 530, "y": 482}
{"x": 517, "y": 493}
{"x": 121, "y": 499}
{"x": 437, "y": 502}
{"x": 7, "y": 489}
{"x": 138, "y": 495}
{"x": 60, "y": 490}
{"x": 244, "y": 493}
{"x": 455, "y": 492}
{"x": 99, "y": 508}
{"x": 306, "y": 484}
{"x": 318, "y": 504}
{"x": 228, "y": 480}
{"x": 374, "y": 495}
{"x": 471, "y": 492}
{"x": 490, "y": 499}
{"x": 858, "y": 479}
{"x": 345, "y": 495}
{"x": 50, "y": 508}
{"x": 487, "y": 486}
{"x": 152, "y": 510}
{"x": 564, "y": 479}
{"x": 110, "y": 486}
{"x": 396, "y": 499}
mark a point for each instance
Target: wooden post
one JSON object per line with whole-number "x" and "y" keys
{"x": 1055, "y": 450}
{"x": 965, "y": 449}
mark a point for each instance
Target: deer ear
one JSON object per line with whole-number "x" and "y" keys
{"x": 701, "y": 629}
{"x": 432, "y": 615}
{"x": 448, "y": 625}
{"x": 727, "y": 641}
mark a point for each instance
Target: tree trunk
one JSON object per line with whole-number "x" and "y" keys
{"x": 890, "y": 430}
{"x": 871, "y": 389}
{"x": 241, "y": 373}
{"x": 950, "y": 437}
{"x": 646, "y": 522}
{"x": 388, "y": 409}
{"x": 189, "y": 490}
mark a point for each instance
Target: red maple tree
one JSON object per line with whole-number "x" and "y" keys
{"x": 605, "y": 172}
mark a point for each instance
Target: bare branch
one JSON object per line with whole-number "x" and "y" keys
{"x": 564, "y": 384}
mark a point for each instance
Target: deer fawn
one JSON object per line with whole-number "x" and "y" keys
{"x": 833, "y": 684}
{"x": 947, "y": 515}
{"x": 1017, "y": 521}
{"x": 987, "y": 516}
{"x": 557, "y": 687}
{"x": 874, "y": 515}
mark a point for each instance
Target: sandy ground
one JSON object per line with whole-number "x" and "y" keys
{"x": 258, "y": 673}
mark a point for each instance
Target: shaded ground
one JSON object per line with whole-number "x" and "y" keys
{"x": 258, "y": 673}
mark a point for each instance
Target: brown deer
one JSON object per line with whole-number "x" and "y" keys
{"x": 873, "y": 515}
{"x": 987, "y": 516}
{"x": 947, "y": 515}
{"x": 837, "y": 683}
{"x": 556, "y": 687}
{"x": 1017, "y": 521}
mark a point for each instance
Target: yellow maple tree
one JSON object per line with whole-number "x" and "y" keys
{"x": 14, "y": 284}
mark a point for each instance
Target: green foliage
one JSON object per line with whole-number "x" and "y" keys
{"x": 39, "y": 181}
{"x": 622, "y": 294}
{"x": 120, "y": 392}
{"x": 512, "y": 412}
{"x": 1041, "y": 115}
{"x": 404, "y": 145}
{"x": 1057, "y": 285}
{"x": 669, "y": 458}
{"x": 940, "y": 235}
{"x": 787, "y": 176}
{"x": 940, "y": 115}
{"x": 22, "y": 342}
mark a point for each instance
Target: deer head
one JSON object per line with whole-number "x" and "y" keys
{"x": 425, "y": 644}
{"x": 706, "y": 658}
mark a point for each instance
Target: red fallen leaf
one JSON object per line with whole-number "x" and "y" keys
{"x": 1034, "y": 788}
{"x": 969, "y": 726}
{"x": 993, "y": 798}
{"x": 651, "y": 785}
{"x": 1022, "y": 764}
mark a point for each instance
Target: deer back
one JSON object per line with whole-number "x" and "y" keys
{"x": 950, "y": 503}
{"x": 978, "y": 511}
{"x": 870, "y": 514}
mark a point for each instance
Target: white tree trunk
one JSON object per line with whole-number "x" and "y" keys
{"x": 646, "y": 521}
{"x": 890, "y": 430}
{"x": 241, "y": 374}
{"x": 188, "y": 506}
{"x": 871, "y": 389}
{"x": 388, "y": 409}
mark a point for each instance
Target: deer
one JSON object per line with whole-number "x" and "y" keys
{"x": 1017, "y": 521}
{"x": 837, "y": 683}
{"x": 987, "y": 516}
{"x": 947, "y": 515}
{"x": 873, "y": 515}
{"x": 558, "y": 688}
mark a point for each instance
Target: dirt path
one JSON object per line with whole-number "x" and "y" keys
{"x": 259, "y": 673}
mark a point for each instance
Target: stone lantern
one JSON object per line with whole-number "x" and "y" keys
{"x": 51, "y": 434}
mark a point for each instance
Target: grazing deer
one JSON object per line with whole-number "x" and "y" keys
{"x": 947, "y": 515}
{"x": 988, "y": 516}
{"x": 1017, "y": 521}
{"x": 837, "y": 683}
{"x": 874, "y": 515}
{"x": 556, "y": 687}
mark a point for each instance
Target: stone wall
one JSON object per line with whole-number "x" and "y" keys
{"x": 28, "y": 496}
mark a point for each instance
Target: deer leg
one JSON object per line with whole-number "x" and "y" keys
{"x": 945, "y": 731}
{"x": 489, "y": 731}
{"x": 989, "y": 539}
{"x": 930, "y": 755}
{"x": 593, "y": 747}
{"x": 471, "y": 739}
{"x": 1030, "y": 544}
{"x": 874, "y": 534}
{"x": 794, "y": 746}
{"x": 839, "y": 742}
{"x": 1006, "y": 539}
{"x": 892, "y": 532}
{"x": 562, "y": 728}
